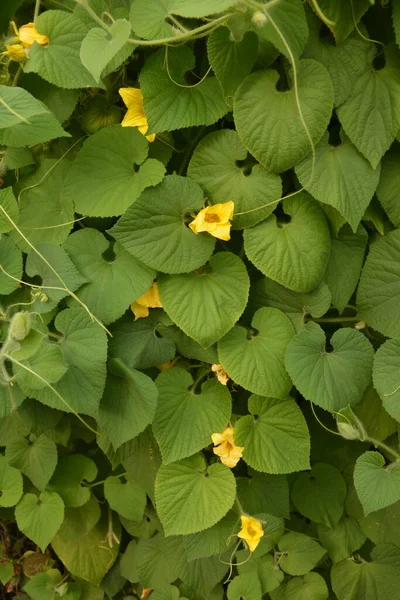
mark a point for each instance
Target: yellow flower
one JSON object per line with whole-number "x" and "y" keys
{"x": 221, "y": 374}
{"x": 28, "y": 34}
{"x": 150, "y": 299}
{"x": 215, "y": 219}
{"x": 251, "y": 532}
{"x": 15, "y": 52}
{"x": 135, "y": 117}
{"x": 167, "y": 365}
{"x": 226, "y": 449}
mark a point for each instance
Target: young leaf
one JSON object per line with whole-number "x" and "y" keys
{"x": 332, "y": 379}
{"x": 255, "y": 359}
{"x": 377, "y": 485}
{"x": 36, "y": 460}
{"x": 39, "y": 518}
{"x": 191, "y": 497}
{"x": 268, "y": 121}
{"x": 100, "y": 46}
{"x": 111, "y": 171}
{"x": 244, "y": 586}
{"x": 300, "y": 553}
{"x": 215, "y": 166}
{"x": 185, "y": 420}
{"x": 68, "y": 479}
{"x": 113, "y": 281}
{"x": 154, "y": 229}
{"x": 47, "y": 362}
{"x": 207, "y": 303}
{"x": 128, "y": 499}
{"x": 275, "y": 436}
{"x": 293, "y": 251}
{"x": 311, "y": 586}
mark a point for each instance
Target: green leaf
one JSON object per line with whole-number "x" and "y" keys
{"x": 255, "y": 359}
{"x": 386, "y": 376}
{"x": 6, "y": 13}
{"x": 36, "y": 460}
{"x": 169, "y": 102}
{"x": 377, "y": 485}
{"x": 207, "y": 303}
{"x": 231, "y": 60}
{"x": 113, "y": 281}
{"x": 11, "y": 262}
{"x": 216, "y": 166}
{"x": 379, "y": 288}
{"x": 268, "y": 121}
{"x": 301, "y": 553}
{"x": 185, "y": 420}
{"x": 11, "y": 398}
{"x": 295, "y": 305}
{"x": 48, "y": 364}
{"x": 371, "y": 114}
{"x": 154, "y": 228}
{"x": 262, "y": 568}
{"x": 345, "y": 62}
{"x": 275, "y": 436}
{"x": 345, "y": 264}
{"x": 6, "y": 572}
{"x": 331, "y": 379}
{"x": 341, "y": 177}
{"x": 128, "y": 562}
{"x": 128, "y": 405}
{"x": 153, "y": 563}
{"x": 25, "y": 121}
{"x": 212, "y": 541}
{"x": 84, "y": 348}
{"x": 10, "y": 484}
{"x": 368, "y": 580}
{"x": 150, "y": 22}
{"x": 264, "y": 493}
{"x": 187, "y": 347}
{"x": 244, "y": 586}
{"x": 388, "y": 185}
{"x": 60, "y": 102}
{"x": 382, "y": 526}
{"x": 80, "y": 520}
{"x": 343, "y": 16}
{"x": 319, "y": 494}
{"x": 56, "y": 271}
{"x": 59, "y": 62}
{"x": 138, "y": 344}
{"x": 111, "y": 171}
{"x": 89, "y": 557}
{"x": 10, "y": 206}
{"x": 289, "y": 17}
{"x": 39, "y": 219}
{"x": 39, "y": 518}
{"x": 295, "y": 251}
{"x": 342, "y": 540}
{"x": 128, "y": 499}
{"x": 309, "y": 587}
{"x": 191, "y": 497}
{"x": 379, "y": 424}
{"x": 68, "y": 479}
{"x": 42, "y": 586}
{"x": 100, "y": 46}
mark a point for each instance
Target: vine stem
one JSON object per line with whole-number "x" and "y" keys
{"x": 336, "y": 320}
{"x": 379, "y": 444}
{"x": 36, "y": 12}
{"x": 239, "y": 507}
{"x": 92, "y": 485}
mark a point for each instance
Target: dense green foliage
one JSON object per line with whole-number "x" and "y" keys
{"x": 231, "y": 432}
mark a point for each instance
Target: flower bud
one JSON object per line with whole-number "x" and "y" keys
{"x": 20, "y": 325}
{"x": 348, "y": 432}
{"x": 259, "y": 18}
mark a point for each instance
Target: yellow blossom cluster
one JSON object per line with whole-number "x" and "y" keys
{"x": 24, "y": 40}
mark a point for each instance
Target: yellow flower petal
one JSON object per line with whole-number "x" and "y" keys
{"x": 15, "y": 52}
{"x": 167, "y": 365}
{"x": 28, "y": 34}
{"x": 135, "y": 117}
{"x": 215, "y": 220}
{"x": 139, "y": 311}
{"x": 251, "y": 531}
{"x": 221, "y": 374}
{"x": 226, "y": 449}
{"x": 151, "y": 298}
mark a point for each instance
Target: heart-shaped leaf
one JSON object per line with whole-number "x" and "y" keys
{"x": 300, "y": 553}
{"x": 68, "y": 479}
{"x": 319, "y": 494}
{"x": 268, "y": 121}
{"x": 100, "y": 46}
{"x": 255, "y": 359}
{"x": 11, "y": 485}
{"x": 377, "y": 485}
{"x": 293, "y": 251}
{"x": 191, "y": 497}
{"x": 330, "y": 379}
{"x": 128, "y": 499}
{"x": 386, "y": 375}
{"x": 389, "y": 184}
{"x": 39, "y": 518}
{"x": 184, "y": 420}
{"x": 154, "y": 229}
{"x": 37, "y": 460}
{"x": 220, "y": 166}
{"x": 341, "y": 177}
{"x": 275, "y": 436}
{"x": 103, "y": 180}
{"x": 207, "y": 303}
